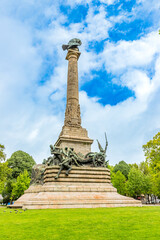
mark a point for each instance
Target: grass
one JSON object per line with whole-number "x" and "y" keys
{"x": 130, "y": 223}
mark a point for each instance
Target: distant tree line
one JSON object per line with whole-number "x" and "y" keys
{"x": 135, "y": 180}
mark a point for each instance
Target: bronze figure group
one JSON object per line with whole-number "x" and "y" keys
{"x": 67, "y": 157}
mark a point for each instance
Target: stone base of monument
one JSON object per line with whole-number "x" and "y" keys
{"x": 85, "y": 187}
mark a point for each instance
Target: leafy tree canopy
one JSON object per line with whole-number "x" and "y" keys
{"x": 5, "y": 171}
{"x": 119, "y": 181}
{"x": 156, "y": 184}
{"x": 145, "y": 168}
{"x": 133, "y": 165}
{"x": 147, "y": 184}
{"x": 123, "y": 167}
{"x": 152, "y": 152}
{"x": 6, "y": 193}
{"x": 20, "y": 161}
{"x": 23, "y": 181}
{"x": 2, "y": 154}
{"x": 135, "y": 183}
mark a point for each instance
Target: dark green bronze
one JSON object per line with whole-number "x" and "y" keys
{"x": 37, "y": 174}
{"x": 66, "y": 158}
{"x": 73, "y": 43}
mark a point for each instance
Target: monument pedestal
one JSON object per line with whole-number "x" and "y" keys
{"x": 75, "y": 137}
{"x": 85, "y": 187}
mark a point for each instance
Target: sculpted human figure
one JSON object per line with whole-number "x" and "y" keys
{"x": 56, "y": 158}
{"x": 66, "y": 162}
{"x": 67, "y": 157}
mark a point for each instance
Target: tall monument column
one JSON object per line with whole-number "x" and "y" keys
{"x": 72, "y": 114}
{"x": 72, "y": 134}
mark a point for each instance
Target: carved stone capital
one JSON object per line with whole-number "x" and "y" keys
{"x": 73, "y": 52}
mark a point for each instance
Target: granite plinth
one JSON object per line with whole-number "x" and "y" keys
{"x": 75, "y": 137}
{"x": 85, "y": 187}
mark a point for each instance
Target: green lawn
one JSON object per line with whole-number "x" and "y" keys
{"x": 81, "y": 224}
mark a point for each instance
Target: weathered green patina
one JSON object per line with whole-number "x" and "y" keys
{"x": 67, "y": 157}
{"x": 73, "y": 43}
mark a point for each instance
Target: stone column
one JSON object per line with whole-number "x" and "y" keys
{"x": 72, "y": 114}
{"x": 72, "y": 134}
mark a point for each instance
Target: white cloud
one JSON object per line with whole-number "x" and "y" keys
{"x": 98, "y": 25}
{"x": 108, "y": 2}
{"x": 139, "y": 82}
{"x": 125, "y": 54}
{"x": 32, "y": 114}
{"x": 129, "y": 125}
{"x": 84, "y": 2}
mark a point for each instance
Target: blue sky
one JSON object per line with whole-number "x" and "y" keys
{"x": 119, "y": 70}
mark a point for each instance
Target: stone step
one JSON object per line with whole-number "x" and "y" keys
{"x": 77, "y": 180}
{"x": 58, "y": 195}
{"x": 96, "y": 169}
{"x": 49, "y": 171}
{"x": 56, "y": 183}
{"x": 80, "y": 176}
{"x": 81, "y": 201}
{"x": 70, "y": 189}
{"x": 105, "y": 205}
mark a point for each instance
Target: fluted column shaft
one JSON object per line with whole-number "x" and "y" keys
{"x": 72, "y": 114}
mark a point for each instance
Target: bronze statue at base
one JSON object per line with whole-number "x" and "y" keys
{"x": 67, "y": 157}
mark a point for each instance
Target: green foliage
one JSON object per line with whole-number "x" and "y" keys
{"x": 6, "y": 193}
{"x": 111, "y": 171}
{"x": 145, "y": 168}
{"x": 119, "y": 181}
{"x": 20, "y": 161}
{"x": 5, "y": 171}
{"x": 21, "y": 185}
{"x": 2, "y": 154}
{"x": 156, "y": 184}
{"x": 133, "y": 165}
{"x": 147, "y": 184}
{"x": 134, "y": 185}
{"x": 152, "y": 152}
{"x": 123, "y": 167}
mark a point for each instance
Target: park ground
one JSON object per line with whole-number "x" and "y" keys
{"x": 81, "y": 224}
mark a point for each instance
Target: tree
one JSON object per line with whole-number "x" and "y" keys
{"x": 2, "y": 154}
{"x": 152, "y": 152}
{"x": 5, "y": 171}
{"x": 6, "y": 193}
{"x": 147, "y": 185}
{"x": 23, "y": 181}
{"x": 119, "y": 181}
{"x": 133, "y": 165}
{"x": 135, "y": 183}
{"x": 20, "y": 161}
{"x": 145, "y": 168}
{"x": 156, "y": 184}
{"x": 123, "y": 167}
